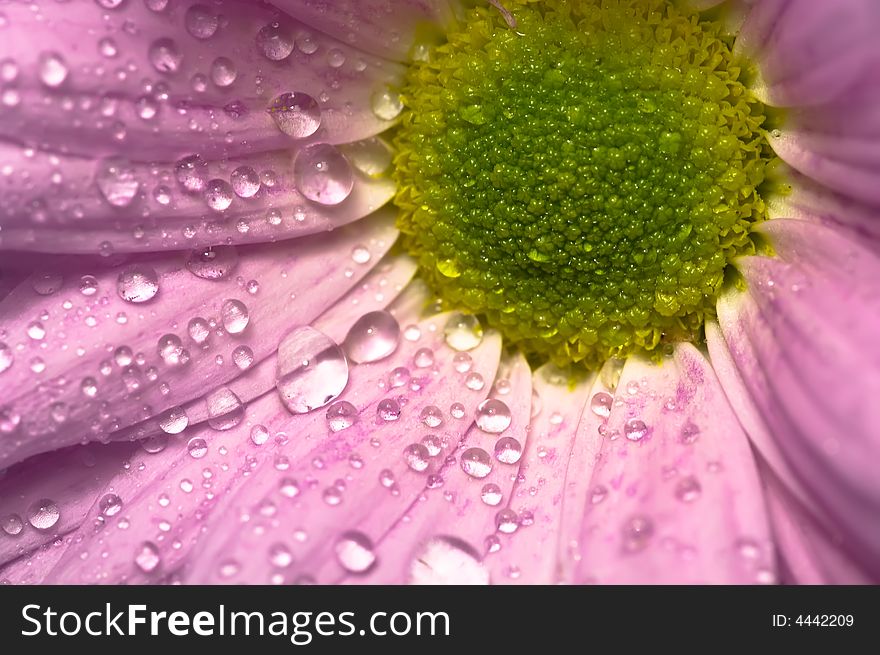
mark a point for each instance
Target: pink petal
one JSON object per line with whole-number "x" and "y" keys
{"x": 675, "y": 493}
{"x": 803, "y": 339}
{"x": 387, "y": 29}
{"x": 88, "y": 365}
{"x": 355, "y": 481}
{"x": 76, "y": 100}
{"x": 810, "y": 51}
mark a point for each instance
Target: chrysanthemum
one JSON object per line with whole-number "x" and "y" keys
{"x": 537, "y": 291}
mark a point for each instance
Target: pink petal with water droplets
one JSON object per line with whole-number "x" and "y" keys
{"x": 160, "y": 95}
{"x": 804, "y": 342}
{"x": 385, "y": 28}
{"x": 86, "y": 366}
{"x": 340, "y": 474}
{"x": 810, "y": 51}
{"x": 448, "y": 534}
{"x": 675, "y": 492}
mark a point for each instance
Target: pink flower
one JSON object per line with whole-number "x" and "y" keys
{"x": 216, "y": 366}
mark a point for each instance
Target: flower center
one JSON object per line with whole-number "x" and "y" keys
{"x": 583, "y": 180}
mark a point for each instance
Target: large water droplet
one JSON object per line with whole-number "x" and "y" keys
{"x": 463, "y": 332}
{"x": 448, "y": 561}
{"x": 171, "y": 350}
{"x": 214, "y": 263}
{"x": 235, "y": 316}
{"x": 311, "y": 371}
{"x": 137, "y": 283}
{"x": 296, "y": 114}
{"x": 225, "y": 409}
{"x": 354, "y": 550}
{"x": 322, "y": 174}
{"x": 493, "y": 416}
{"x": 43, "y": 514}
{"x": 373, "y": 336}
{"x": 117, "y": 182}
{"x": 491, "y": 494}
{"x": 476, "y": 462}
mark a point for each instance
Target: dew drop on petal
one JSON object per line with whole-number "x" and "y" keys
{"x": 165, "y": 55}
{"x": 245, "y": 182}
{"x": 507, "y": 521}
{"x": 432, "y": 416}
{"x": 688, "y": 489}
{"x": 275, "y": 42}
{"x": 225, "y": 409}
{"x": 110, "y": 504}
{"x": 12, "y": 524}
{"x": 311, "y": 370}
{"x": 214, "y": 263}
{"x": 243, "y": 357}
{"x": 192, "y": 173}
{"x": 417, "y": 457}
{"x": 508, "y": 450}
{"x": 296, "y": 114}
{"x": 689, "y": 433}
{"x": 198, "y": 330}
{"x": 388, "y": 410}
{"x": 635, "y": 429}
{"x": 280, "y": 555}
{"x": 476, "y": 462}
{"x": 322, "y": 174}
{"x": 235, "y": 316}
{"x": 447, "y": 561}
{"x": 636, "y": 533}
{"x": 259, "y": 435}
{"x": 463, "y": 332}
{"x": 137, "y": 283}
{"x": 43, "y": 514}
{"x": 45, "y": 284}
{"x": 341, "y": 415}
{"x": 373, "y": 336}
{"x": 218, "y": 195}
{"x": 174, "y": 421}
{"x": 386, "y": 104}
{"x": 491, "y": 494}
{"x": 201, "y": 22}
{"x": 147, "y": 557}
{"x": 354, "y": 551}
{"x": 53, "y": 69}
{"x": 601, "y": 403}
{"x": 197, "y": 447}
{"x": 493, "y": 416}
{"x": 117, "y": 181}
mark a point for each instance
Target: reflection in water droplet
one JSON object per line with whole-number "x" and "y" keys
{"x": 476, "y": 462}
{"x": 225, "y": 409}
{"x": 493, "y": 416}
{"x": 311, "y": 370}
{"x": 463, "y": 332}
{"x": 322, "y": 174}
{"x": 137, "y": 283}
{"x": 373, "y": 336}
{"x": 448, "y": 561}
{"x": 354, "y": 550}
{"x": 296, "y": 114}
{"x": 43, "y": 514}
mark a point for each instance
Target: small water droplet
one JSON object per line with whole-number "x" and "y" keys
{"x": 688, "y": 489}
{"x": 491, "y": 494}
{"x": 53, "y": 69}
{"x": 214, "y": 263}
{"x": 417, "y": 457}
{"x": 388, "y": 410}
{"x": 201, "y": 22}
{"x": 147, "y": 557}
{"x": 476, "y": 462}
{"x": 218, "y": 195}
{"x": 341, "y": 415}
{"x": 354, "y": 551}
{"x": 235, "y": 316}
{"x": 165, "y": 56}
{"x": 689, "y": 433}
{"x": 448, "y": 561}
{"x": 275, "y": 41}
{"x": 12, "y": 524}
{"x": 245, "y": 182}
{"x": 601, "y": 403}
{"x": 635, "y": 429}
{"x": 192, "y": 173}
{"x": 507, "y": 521}
{"x": 117, "y": 181}
{"x": 110, "y": 504}
{"x": 508, "y": 450}
{"x": 386, "y": 104}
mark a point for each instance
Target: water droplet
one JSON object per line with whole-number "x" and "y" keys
{"x": 192, "y": 173}
{"x": 463, "y": 332}
{"x": 137, "y": 283}
{"x": 296, "y": 114}
{"x": 198, "y": 330}
{"x": 689, "y": 433}
{"x": 688, "y": 489}
{"x": 508, "y": 450}
{"x": 45, "y": 284}
{"x": 235, "y": 316}
{"x": 601, "y": 403}
{"x": 388, "y": 410}
{"x": 110, "y": 504}
{"x": 174, "y": 421}
{"x": 36, "y": 331}
{"x": 322, "y": 174}
{"x": 171, "y": 350}
{"x": 493, "y": 416}
{"x": 243, "y": 357}
{"x": 225, "y": 409}
{"x": 53, "y": 69}
{"x": 214, "y": 263}
{"x": 354, "y": 550}
{"x": 275, "y": 42}
{"x": 416, "y": 457}
{"x": 448, "y": 561}
{"x": 373, "y": 336}
{"x": 637, "y": 533}
{"x": 245, "y": 182}
{"x": 147, "y": 557}
{"x": 201, "y": 22}
{"x": 311, "y": 371}
{"x": 280, "y": 555}
{"x": 423, "y": 358}
{"x": 165, "y": 56}
{"x": 12, "y": 524}
{"x": 197, "y": 447}
{"x": 386, "y": 104}
{"x": 259, "y": 435}
{"x": 491, "y": 494}
{"x": 431, "y": 416}
{"x": 476, "y": 462}
{"x": 218, "y": 195}
{"x": 635, "y": 429}
{"x": 474, "y": 381}
{"x": 341, "y": 415}
{"x": 117, "y": 182}
{"x": 43, "y": 514}
{"x": 598, "y": 494}
{"x": 153, "y": 445}
{"x": 507, "y": 521}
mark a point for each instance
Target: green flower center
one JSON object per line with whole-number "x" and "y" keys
{"x": 583, "y": 180}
